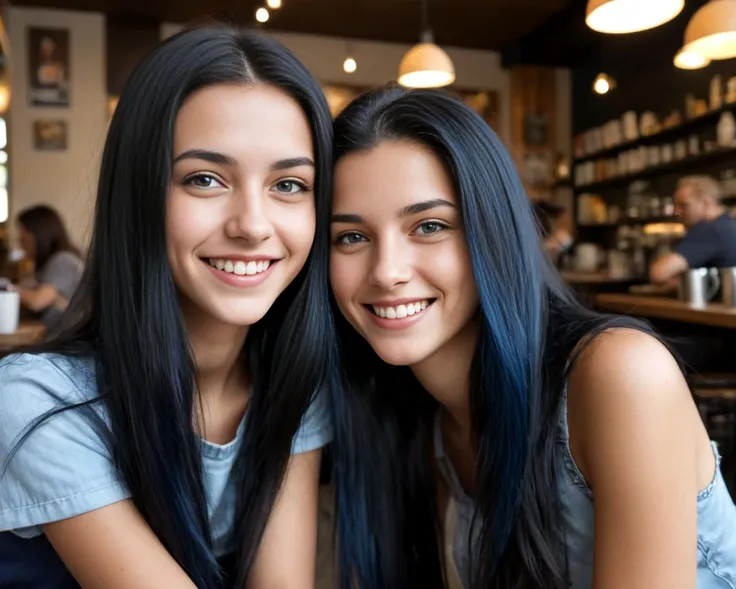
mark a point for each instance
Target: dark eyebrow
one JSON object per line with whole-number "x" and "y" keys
{"x": 414, "y": 209}
{"x": 226, "y": 160}
{"x": 427, "y": 205}
{"x": 208, "y": 156}
{"x": 292, "y": 162}
{"x": 347, "y": 218}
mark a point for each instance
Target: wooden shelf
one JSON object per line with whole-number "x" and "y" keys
{"x": 664, "y": 135}
{"x": 675, "y": 166}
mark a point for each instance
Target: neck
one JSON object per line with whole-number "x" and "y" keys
{"x": 714, "y": 212}
{"x": 446, "y": 375}
{"x": 217, "y": 348}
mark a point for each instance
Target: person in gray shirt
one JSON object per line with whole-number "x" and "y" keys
{"x": 58, "y": 263}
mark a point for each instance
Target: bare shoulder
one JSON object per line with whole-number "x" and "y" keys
{"x": 626, "y": 393}
{"x": 626, "y": 361}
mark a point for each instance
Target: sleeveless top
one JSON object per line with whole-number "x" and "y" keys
{"x": 716, "y": 521}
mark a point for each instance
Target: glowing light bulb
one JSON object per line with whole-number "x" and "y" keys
{"x": 350, "y": 65}
{"x": 275, "y": 4}
{"x": 262, "y": 15}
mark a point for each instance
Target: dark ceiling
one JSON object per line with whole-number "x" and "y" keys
{"x": 483, "y": 24}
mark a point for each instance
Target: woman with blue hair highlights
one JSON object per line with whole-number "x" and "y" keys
{"x": 491, "y": 432}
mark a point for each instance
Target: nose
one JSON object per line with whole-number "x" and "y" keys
{"x": 392, "y": 266}
{"x": 249, "y": 217}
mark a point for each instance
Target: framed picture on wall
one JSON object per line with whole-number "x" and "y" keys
{"x": 48, "y": 62}
{"x": 49, "y": 135}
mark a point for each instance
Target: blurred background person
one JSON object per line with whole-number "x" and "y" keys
{"x": 57, "y": 262}
{"x": 710, "y": 241}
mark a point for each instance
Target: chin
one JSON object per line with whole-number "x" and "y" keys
{"x": 237, "y": 315}
{"x": 398, "y": 355}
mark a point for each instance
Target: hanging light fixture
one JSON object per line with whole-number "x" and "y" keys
{"x": 274, "y": 4}
{"x": 603, "y": 84}
{"x": 687, "y": 59}
{"x": 262, "y": 15}
{"x": 349, "y": 65}
{"x": 426, "y": 65}
{"x": 630, "y": 16}
{"x": 711, "y": 31}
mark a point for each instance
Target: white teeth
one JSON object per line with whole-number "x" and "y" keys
{"x": 240, "y": 267}
{"x": 400, "y": 311}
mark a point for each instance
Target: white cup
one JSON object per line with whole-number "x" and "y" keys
{"x": 9, "y": 311}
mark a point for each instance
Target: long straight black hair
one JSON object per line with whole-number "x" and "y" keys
{"x": 388, "y": 528}
{"x": 48, "y": 231}
{"x": 126, "y": 316}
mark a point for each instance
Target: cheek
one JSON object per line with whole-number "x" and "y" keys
{"x": 345, "y": 277}
{"x": 450, "y": 268}
{"x": 296, "y": 227}
{"x": 187, "y": 220}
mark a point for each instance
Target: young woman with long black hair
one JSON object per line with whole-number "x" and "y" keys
{"x": 171, "y": 432}
{"x": 488, "y": 421}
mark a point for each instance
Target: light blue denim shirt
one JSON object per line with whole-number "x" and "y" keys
{"x": 64, "y": 467}
{"x": 716, "y": 520}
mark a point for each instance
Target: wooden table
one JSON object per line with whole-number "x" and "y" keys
{"x": 28, "y": 333}
{"x": 713, "y": 315}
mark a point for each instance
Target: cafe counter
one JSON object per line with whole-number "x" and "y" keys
{"x": 654, "y": 307}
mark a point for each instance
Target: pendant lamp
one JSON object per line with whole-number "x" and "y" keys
{"x": 711, "y": 31}
{"x": 630, "y": 16}
{"x": 426, "y": 65}
{"x": 687, "y": 59}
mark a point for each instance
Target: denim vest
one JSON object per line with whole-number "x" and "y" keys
{"x": 716, "y": 521}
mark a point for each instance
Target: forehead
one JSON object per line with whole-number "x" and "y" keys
{"x": 389, "y": 176}
{"x": 241, "y": 117}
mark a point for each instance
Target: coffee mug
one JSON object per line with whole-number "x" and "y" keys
{"x": 9, "y": 311}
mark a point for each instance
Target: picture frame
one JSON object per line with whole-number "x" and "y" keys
{"x": 48, "y": 66}
{"x": 50, "y": 135}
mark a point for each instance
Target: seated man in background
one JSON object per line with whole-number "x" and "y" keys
{"x": 710, "y": 241}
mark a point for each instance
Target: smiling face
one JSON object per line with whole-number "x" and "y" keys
{"x": 400, "y": 269}
{"x": 241, "y": 213}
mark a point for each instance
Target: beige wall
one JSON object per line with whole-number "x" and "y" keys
{"x": 378, "y": 63}
{"x": 67, "y": 179}
{"x": 63, "y": 179}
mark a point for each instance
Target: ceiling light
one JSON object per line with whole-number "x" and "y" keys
{"x": 687, "y": 59}
{"x": 603, "y": 83}
{"x": 275, "y": 4}
{"x": 711, "y": 31}
{"x": 262, "y": 15}
{"x": 426, "y": 65}
{"x": 349, "y": 65}
{"x": 630, "y": 16}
